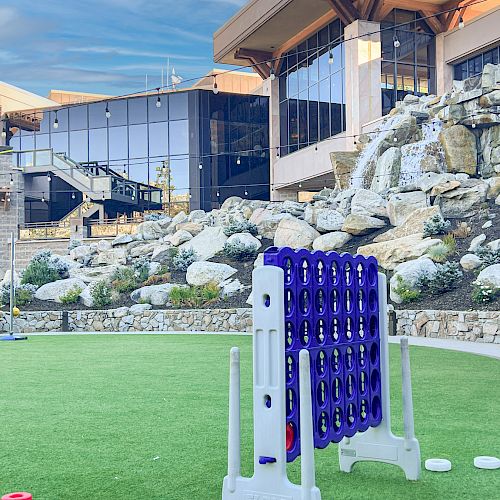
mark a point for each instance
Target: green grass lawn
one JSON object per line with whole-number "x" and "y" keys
{"x": 145, "y": 417}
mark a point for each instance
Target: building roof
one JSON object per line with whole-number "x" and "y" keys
{"x": 16, "y": 99}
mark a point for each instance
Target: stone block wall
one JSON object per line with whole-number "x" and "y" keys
{"x": 11, "y": 214}
{"x": 474, "y": 326}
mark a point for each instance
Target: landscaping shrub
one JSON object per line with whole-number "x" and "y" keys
{"x": 183, "y": 259}
{"x": 438, "y": 253}
{"x": 74, "y": 244}
{"x": 24, "y": 294}
{"x": 462, "y": 230}
{"x": 483, "y": 293}
{"x": 72, "y": 296}
{"x": 243, "y": 226}
{"x": 239, "y": 251}
{"x": 194, "y": 296}
{"x": 124, "y": 280}
{"x": 44, "y": 268}
{"x": 141, "y": 268}
{"x": 404, "y": 290}
{"x": 101, "y": 294}
{"x": 436, "y": 225}
{"x": 488, "y": 256}
{"x": 158, "y": 279}
{"x": 450, "y": 241}
{"x": 445, "y": 278}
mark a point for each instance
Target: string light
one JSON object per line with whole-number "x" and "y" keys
{"x": 56, "y": 122}
{"x": 217, "y": 193}
{"x": 396, "y": 41}
{"x": 108, "y": 112}
{"x": 11, "y": 182}
{"x": 395, "y": 139}
{"x": 49, "y": 177}
{"x": 103, "y": 197}
{"x": 215, "y": 89}
{"x": 200, "y": 166}
{"x": 4, "y": 134}
{"x": 246, "y": 192}
{"x": 73, "y": 195}
{"x": 158, "y": 99}
{"x": 272, "y": 74}
{"x": 330, "y": 56}
{"x": 43, "y": 197}
{"x": 461, "y": 23}
{"x": 238, "y": 161}
{"x": 277, "y": 151}
{"x": 300, "y": 185}
{"x": 473, "y": 125}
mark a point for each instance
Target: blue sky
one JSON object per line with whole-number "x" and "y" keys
{"x": 106, "y": 46}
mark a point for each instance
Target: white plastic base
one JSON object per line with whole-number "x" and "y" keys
{"x": 277, "y": 489}
{"x": 438, "y": 465}
{"x": 487, "y": 462}
{"x": 380, "y": 445}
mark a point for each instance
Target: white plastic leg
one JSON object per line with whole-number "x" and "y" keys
{"x": 379, "y": 443}
{"x": 270, "y": 480}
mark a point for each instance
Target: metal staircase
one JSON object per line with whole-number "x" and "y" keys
{"x": 99, "y": 183}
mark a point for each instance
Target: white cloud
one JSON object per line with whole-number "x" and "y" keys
{"x": 120, "y": 51}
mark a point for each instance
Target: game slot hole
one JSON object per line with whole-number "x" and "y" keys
{"x": 320, "y": 272}
{"x": 291, "y": 402}
{"x": 373, "y": 326}
{"x": 374, "y": 353}
{"x": 305, "y": 333}
{"x": 323, "y": 425}
{"x": 360, "y": 274}
{"x": 374, "y": 380}
{"x": 350, "y": 389}
{"x": 361, "y": 327}
{"x": 334, "y": 301}
{"x": 288, "y": 301}
{"x": 372, "y": 274}
{"x": 337, "y": 390}
{"x": 320, "y": 331}
{"x": 290, "y": 333}
{"x": 322, "y": 394}
{"x": 304, "y": 301}
{"x": 334, "y": 273}
{"x": 363, "y": 379}
{"x": 376, "y": 408}
{"x": 349, "y": 331}
{"x": 304, "y": 271}
{"x": 321, "y": 363}
{"x": 348, "y": 273}
{"x": 336, "y": 361}
{"x": 290, "y": 369}
{"x": 364, "y": 410}
{"x": 349, "y": 358}
{"x": 348, "y": 301}
{"x": 351, "y": 415}
{"x": 288, "y": 268}
{"x": 335, "y": 332}
{"x": 362, "y": 356}
{"x": 337, "y": 420}
{"x": 290, "y": 436}
{"x": 320, "y": 301}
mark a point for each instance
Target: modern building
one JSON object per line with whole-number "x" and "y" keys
{"x": 190, "y": 145}
{"x": 334, "y": 68}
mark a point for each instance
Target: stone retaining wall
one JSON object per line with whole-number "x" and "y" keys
{"x": 475, "y": 326}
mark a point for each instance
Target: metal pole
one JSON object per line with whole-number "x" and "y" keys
{"x": 12, "y": 285}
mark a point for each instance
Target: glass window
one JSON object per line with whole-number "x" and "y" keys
{"x": 474, "y": 66}
{"x": 78, "y": 119}
{"x": 137, "y": 110}
{"x": 155, "y": 113}
{"x": 42, "y": 141}
{"x": 293, "y": 128}
{"x": 179, "y": 137}
{"x": 158, "y": 140}
{"x": 97, "y": 115}
{"x": 79, "y": 146}
{"x": 138, "y": 141}
{"x": 59, "y": 142}
{"x": 98, "y": 145}
{"x": 178, "y": 105}
{"x": 118, "y": 143}
{"x": 118, "y": 110}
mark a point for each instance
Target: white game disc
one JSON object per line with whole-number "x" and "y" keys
{"x": 438, "y": 464}
{"x": 487, "y": 462}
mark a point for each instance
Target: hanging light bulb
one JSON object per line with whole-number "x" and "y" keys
{"x": 158, "y": 99}
{"x": 396, "y": 41}
{"x": 8, "y": 197}
{"x": 200, "y": 166}
{"x": 473, "y": 124}
{"x": 246, "y": 192}
{"x": 215, "y": 90}
{"x": 217, "y": 193}
{"x": 103, "y": 197}
{"x": 108, "y": 112}
{"x": 330, "y": 56}
{"x": 49, "y": 177}
{"x": 11, "y": 182}
{"x": 300, "y": 185}
{"x": 272, "y": 74}
{"x": 316, "y": 147}
{"x": 277, "y": 152}
{"x": 238, "y": 161}
{"x": 43, "y": 197}
{"x": 395, "y": 139}
{"x": 190, "y": 195}
{"x": 133, "y": 196}
{"x": 56, "y": 122}
{"x": 73, "y": 196}
{"x": 461, "y": 23}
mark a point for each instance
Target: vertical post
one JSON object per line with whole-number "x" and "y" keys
{"x": 234, "y": 439}
{"x": 12, "y": 284}
{"x": 408, "y": 422}
{"x": 306, "y": 426}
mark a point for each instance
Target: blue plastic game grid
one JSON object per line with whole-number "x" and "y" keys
{"x": 332, "y": 310}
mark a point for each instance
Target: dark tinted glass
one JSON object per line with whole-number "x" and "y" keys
{"x": 97, "y": 115}
{"x": 137, "y": 110}
{"x": 78, "y": 119}
{"x": 118, "y": 110}
{"x": 178, "y": 105}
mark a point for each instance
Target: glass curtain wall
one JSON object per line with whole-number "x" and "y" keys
{"x": 312, "y": 93}
{"x": 134, "y": 141}
{"x": 409, "y": 68}
{"x": 474, "y": 65}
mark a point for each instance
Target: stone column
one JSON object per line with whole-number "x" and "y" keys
{"x": 271, "y": 89}
{"x": 11, "y": 213}
{"x": 363, "y": 68}
{"x": 444, "y": 71}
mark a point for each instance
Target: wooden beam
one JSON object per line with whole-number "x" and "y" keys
{"x": 345, "y": 10}
{"x": 433, "y": 21}
{"x": 366, "y": 8}
{"x": 259, "y": 60}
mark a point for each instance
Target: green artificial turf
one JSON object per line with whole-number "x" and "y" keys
{"x": 145, "y": 417}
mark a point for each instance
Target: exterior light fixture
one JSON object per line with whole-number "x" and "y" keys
{"x": 11, "y": 182}
{"x": 56, "y": 122}
{"x": 217, "y": 193}
{"x": 272, "y": 75}
{"x": 316, "y": 147}
{"x": 108, "y": 112}
{"x": 238, "y": 161}
{"x": 43, "y": 197}
{"x": 330, "y": 57}
{"x": 133, "y": 197}
{"x": 461, "y": 23}
{"x": 396, "y": 41}
{"x": 158, "y": 99}
{"x": 277, "y": 151}
{"x": 103, "y": 197}
{"x": 395, "y": 139}
{"x": 8, "y": 197}
{"x": 49, "y": 177}
{"x": 73, "y": 196}
{"x": 473, "y": 124}
{"x": 215, "y": 89}
{"x": 300, "y": 185}
{"x": 200, "y": 166}
{"x": 246, "y": 192}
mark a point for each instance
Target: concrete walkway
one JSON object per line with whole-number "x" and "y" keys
{"x": 490, "y": 350}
